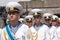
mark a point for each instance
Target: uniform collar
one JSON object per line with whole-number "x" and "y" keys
{"x": 50, "y": 25}
{"x": 55, "y": 26}
{"x": 15, "y": 25}
{"x": 38, "y": 25}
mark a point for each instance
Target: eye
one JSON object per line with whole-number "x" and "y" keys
{"x": 49, "y": 17}
{"x": 44, "y": 17}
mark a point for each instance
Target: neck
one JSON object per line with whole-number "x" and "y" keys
{"x": 55, "y": 25}
{"x": 38, "y": 24}
{"x": 13, "y": 23}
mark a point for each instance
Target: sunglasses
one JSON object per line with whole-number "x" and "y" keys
{"x": 29, "y": 21}
{"x": 14, "y": 12}
{"x": 37, "y": 17}
{"x": 58, "y": 22}
{"x": 47, "y": 19}
{"x": 54, "y": 20}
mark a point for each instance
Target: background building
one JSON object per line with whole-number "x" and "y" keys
{"x": 52, "y": 6}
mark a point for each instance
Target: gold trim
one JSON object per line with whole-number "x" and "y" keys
{"x": 5, "y": 35}
{"x": 11, "y": 8}
{"x": 34, "y": 36}
{"x": 36, "y": 14}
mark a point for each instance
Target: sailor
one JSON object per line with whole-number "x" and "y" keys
{"x": 59, "y": 22}
{"x": 47, "y": 19}
{"x": 47, "y": 23}
{"x": 0, "y": 33}
{"x": 58, "y": 29}
{"x": 54, "y": 28}
{"x": 54, "y": 20}
{"x": 37, "y": 31}
{"x": 15, "y": 30}
{"x": 29, "y": 20}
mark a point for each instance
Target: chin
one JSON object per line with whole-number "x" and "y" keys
{"x": 12, "y": 19}
{"x": 36, "y": 22}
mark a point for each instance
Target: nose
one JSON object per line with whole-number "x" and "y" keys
{"x": 11, "y": 14}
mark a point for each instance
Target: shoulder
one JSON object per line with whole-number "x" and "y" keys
{"x": 0, "y": 30}
{"x": 44, "y": 26}
{"x": 32, "y": 27}
{"x": 25, "y": 26}
{"x": 58, "y": 28}
{"x": 53, "y": 27}
{"x": 4, "y": 28}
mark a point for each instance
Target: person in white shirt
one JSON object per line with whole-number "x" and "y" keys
{"x": 0, "y": 33}
{"x": 29, "y": 22}
{"x": 47, "y": 22}
{"x": 59, "y": 22}
{"x": 54, "y": 28}
{"x": 15, "y": 30}
{"x": 37, "y": 31}
{"x": 58, "y": 29}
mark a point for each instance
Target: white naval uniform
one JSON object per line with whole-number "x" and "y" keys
{"x": 0, "y": 33}
{"x": 53, "y": 32}
{"x": 58, "y": 32}
{"x": 28, "y": 34}
{"x": 41, "y": 34}
{"x": 19, "y": 35}
{"x": 47, "y": 32}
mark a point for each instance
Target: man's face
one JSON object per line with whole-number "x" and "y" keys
{"x": 58, "y": 23}
{"x": 54, "y": 22}
{"x": 29, "y": 24}
{"x": 37, "y": 19}
{"x": 13, "y": 16}
{"x": 47, "y": 21}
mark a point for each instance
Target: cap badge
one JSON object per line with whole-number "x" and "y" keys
{"x": 11, "y": 8}
{"x": 35, "y": 13}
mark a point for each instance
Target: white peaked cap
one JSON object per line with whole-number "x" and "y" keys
{"x": 47, "y": 14}
{"x": 21, "y": 19}
{"x": 15, "y": 5}
{"x": 36, "y": 10}
{"x": 59, "y": 18}
{"x": 7, "y": 20}
{"x": 54, "y": 16}
{"x": 29, "y": 16}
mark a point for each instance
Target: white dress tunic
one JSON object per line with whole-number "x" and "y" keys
{"x": 53, "y": 32}
{"x": 19, "y": 35}
{"x": 40, "y": 34}
{"x": 58, "y": 32}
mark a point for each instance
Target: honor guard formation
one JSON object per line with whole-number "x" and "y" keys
{"x": 37, "y": 25}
